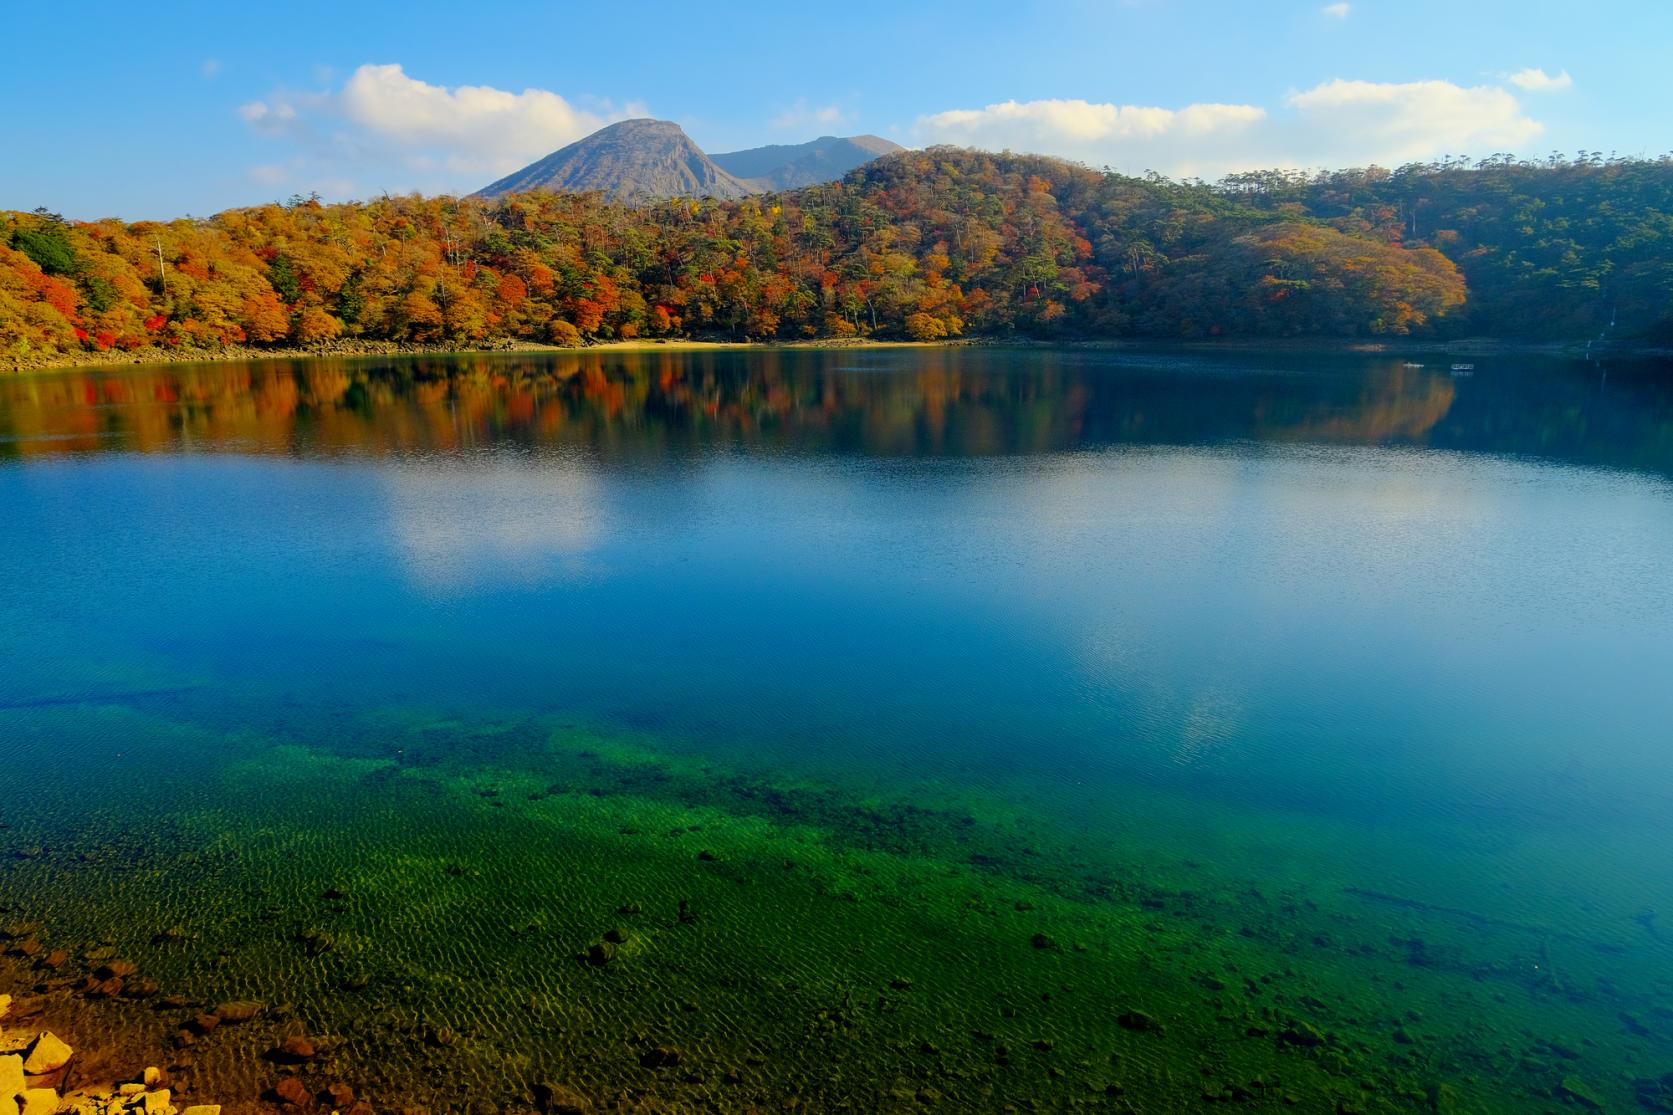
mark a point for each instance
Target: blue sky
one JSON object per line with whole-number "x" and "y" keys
{"x": 117, "y": 110}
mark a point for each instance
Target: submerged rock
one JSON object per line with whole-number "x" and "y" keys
{"x": 1139, "y": 1021}
{"x": 1301, "y": 1034}
{"x": 315, "y": 942}
{"x": 556, "y": 1099}
{"x": 291, "y": 1091}
{"x": 660, "y": 1057}
{"x": 600, "y": 953}
{"x": 295, "y": 1049}
{"x": 1655, "y": 1094}
{"x": 239, "y": 1010}
{"x": 1576, "y": 1092}
{"x": 96, "y": 988}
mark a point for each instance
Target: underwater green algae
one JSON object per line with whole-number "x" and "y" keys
{"x": 599, "y": 916}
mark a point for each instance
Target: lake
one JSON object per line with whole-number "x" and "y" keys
{"x": 862, "y": 729}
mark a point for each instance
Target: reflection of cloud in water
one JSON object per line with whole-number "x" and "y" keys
{"x": 457, "y": 523}
{"x": 1211, "y": 722}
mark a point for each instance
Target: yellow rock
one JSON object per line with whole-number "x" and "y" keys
{"x": 5, "y": 1005}
{"x": 47, "y": 1054}
{"x": 129, "y": 1089}
{"x": 39, "y": 1101}
{"x": 203, "y": 1109}
{"x": 11, "y": 1084}
{"x": 152, "y": 1076}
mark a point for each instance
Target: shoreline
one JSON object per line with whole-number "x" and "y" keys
{"x": 152, "y": 357}
{"x": 1472, "y": 346}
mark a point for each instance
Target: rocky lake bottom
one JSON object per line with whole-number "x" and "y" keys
{"x": 598, "y": 920}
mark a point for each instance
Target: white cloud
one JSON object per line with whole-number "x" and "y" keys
{"x": 1338, "y": 123}
{"x": 1535, "y": 80}
{"x": 801, "y": 116}
{"x": 1336, "y": 11}
{"x": 1079, "y": 126}
{"x": 381, "y": 120}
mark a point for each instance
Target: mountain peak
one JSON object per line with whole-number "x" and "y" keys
{"x": 649, "y": 160}
{"x": 631, "y": 160}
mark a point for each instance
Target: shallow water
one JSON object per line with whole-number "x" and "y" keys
{"x": 919, "y": 716}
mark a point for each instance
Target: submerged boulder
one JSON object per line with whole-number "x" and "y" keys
{"x": 295, "y": 1049}
{"x": 556, "y": 1099}
{"x": 293, "y": 1092}
{"x": 1139, "y": 1021}
{"x": 239, "y": 1010}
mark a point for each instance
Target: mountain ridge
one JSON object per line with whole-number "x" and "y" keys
{"x": 785, "y": 166}
{"x": 652, "y": 160}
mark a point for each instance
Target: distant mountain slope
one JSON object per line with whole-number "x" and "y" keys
{"x": 785, "y": 166}
{"x": 635, "y": 160}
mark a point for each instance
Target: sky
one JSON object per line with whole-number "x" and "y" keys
{"x": 118, "y": 110}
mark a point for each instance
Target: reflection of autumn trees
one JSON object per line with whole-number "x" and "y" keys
{"x": 953, "y": 402}
{"x": 1404, "y": 405}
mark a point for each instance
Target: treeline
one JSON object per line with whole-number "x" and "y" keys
{"x": 924, "y": 245}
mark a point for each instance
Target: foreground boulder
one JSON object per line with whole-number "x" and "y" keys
{"x": 47, "y": 1054}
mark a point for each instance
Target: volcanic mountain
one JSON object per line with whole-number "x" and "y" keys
{"x": 649, "y": 160}
{"x": 635, "y": 160}
{"x": 783, "y": 166}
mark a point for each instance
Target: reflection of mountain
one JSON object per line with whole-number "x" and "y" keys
{"x": 891, "y": 403}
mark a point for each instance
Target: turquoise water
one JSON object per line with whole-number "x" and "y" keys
{"x": 1288, "y": 697}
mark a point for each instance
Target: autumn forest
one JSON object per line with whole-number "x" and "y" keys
{"x": 922, "y": 245}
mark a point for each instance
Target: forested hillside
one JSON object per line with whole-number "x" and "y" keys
{"x": 924, "y": 244}
{"x": 1550, "y": 249}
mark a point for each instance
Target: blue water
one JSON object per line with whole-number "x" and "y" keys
{"x": 1289, "y": 620}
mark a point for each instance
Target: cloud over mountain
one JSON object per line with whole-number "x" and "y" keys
{"x": 1337, "y": 123}
{"x": 439, "y": 137}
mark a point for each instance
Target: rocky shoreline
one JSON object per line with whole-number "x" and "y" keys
{"x": 36, "y": 1068}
